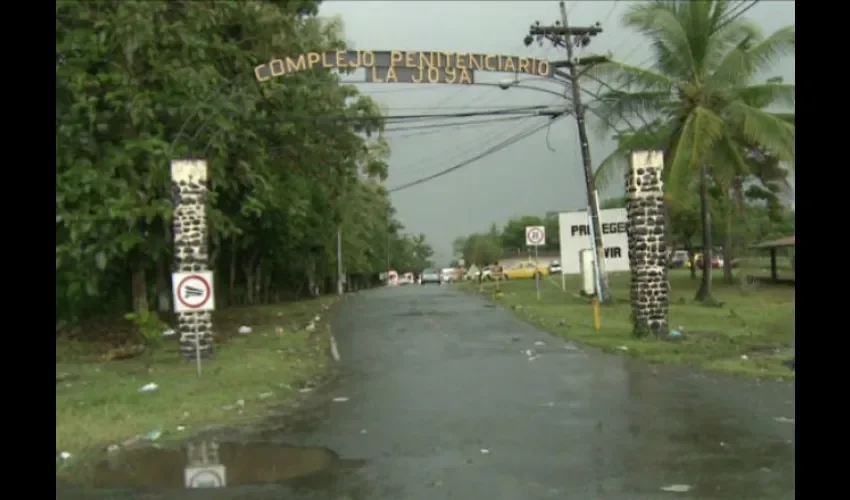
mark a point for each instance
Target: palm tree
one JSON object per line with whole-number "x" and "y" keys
{"x": 698, "y": 96}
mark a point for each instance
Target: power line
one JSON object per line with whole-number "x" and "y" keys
{"x": 440, "y": 127}
{"x": 428, "y": 161}
{"x": 736, "y": 15}
{"x": 519, "y": 110}
{"x": 607, "y": 16}
{"x": 458, "y": 124}
{"x": 440, "y": 130}
{"x": 409, "y": 87}
{"x": 494, "y": 149}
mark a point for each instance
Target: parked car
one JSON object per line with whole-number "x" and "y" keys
{"x": 679, "y": 259}
{"x": 526, "y": 270}
{"x": 429, "y": 276}
{"x": 554, "y": 267}
{"x": 716, "y": 261}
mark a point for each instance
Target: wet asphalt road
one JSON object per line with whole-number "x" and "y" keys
{"x": 451, "y": 397}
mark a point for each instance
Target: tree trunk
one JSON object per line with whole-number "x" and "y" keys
{"x": 728, "y": 277}
{"x": 139, "y": 285}
{"x": 259, "y": 279}
{"x": 231, "y": 291}
{"x": 310, "y": 274}
{"x": 690, "y": 249}
{"x": 704, "y": 292}
{"x": 163, "y": 291}
{"x": 248, "y": 272}
{"x": 267, "y": 288}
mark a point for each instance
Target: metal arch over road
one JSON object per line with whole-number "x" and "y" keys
{"x": 402, "y": 66}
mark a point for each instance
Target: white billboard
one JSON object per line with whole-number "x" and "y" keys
{"x": 575, "y": 236}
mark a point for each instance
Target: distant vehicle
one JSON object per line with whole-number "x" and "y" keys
{"x": 392, "y": 278}
{"x": 554, "y": 267}
{"x": 716, "y": 261}
{"x": 526, "y": 270}
{"x": 406, "y": 279}
{"x": 680, "y": 259}
{"x": 429, "y": 276}
{"x": 447, "y": 275}
{"x": 487, "y": 273}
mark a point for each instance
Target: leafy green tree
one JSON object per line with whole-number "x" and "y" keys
{"x": 513, "y": 234}
{"x": 481, "y": 249}
{"x": 553, "y": 232}
{"x": 698, "y": 100}
{"x": 291, "y": 161}
{"x": 617, "y": 202}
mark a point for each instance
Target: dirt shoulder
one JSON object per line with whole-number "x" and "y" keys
{"x": 751, "y": 334}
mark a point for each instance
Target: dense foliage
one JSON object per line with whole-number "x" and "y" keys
{"x": 290, "y": 161}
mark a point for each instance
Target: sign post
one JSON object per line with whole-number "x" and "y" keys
{"x": 191, "y": 254}
{"x": 535, "y": 236}
{"x": 193, "y": 292}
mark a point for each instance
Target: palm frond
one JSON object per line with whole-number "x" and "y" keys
{"x": 733, "y": 67}
{"x": 763, "y": 128}
{"x": 625, "y": 76}
{"x": 611, "y": 170}
{"x": 780, "y": 43}
{"x": 670, "y": 41}
{"x": 643, "y": 106}
{"x": 786, "y": 117}
{"x": 729, "y": 162}
{"x": 766, "y": 94}
{"x": 701, "y": 131}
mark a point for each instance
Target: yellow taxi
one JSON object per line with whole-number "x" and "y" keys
{"x": 525, "y": 270}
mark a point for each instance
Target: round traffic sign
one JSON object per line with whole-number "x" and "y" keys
{"x": 534, "y": 235}
{"x": 206, "y": 478}
{"x": 194, "y": 291}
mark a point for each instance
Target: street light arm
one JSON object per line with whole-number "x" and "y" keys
{"x": 518, "y": 84}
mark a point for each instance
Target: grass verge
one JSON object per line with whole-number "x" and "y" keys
{"x": 751, "y": 334}
{"x": 99, "y": 402}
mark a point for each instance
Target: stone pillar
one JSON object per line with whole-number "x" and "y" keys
{"x": 191, "y": 248}
{"x": 648, "y": 252}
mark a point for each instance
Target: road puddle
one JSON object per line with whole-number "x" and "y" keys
{"x": 210, "y": 464}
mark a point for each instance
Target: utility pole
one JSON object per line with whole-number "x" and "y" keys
{"x": 565, "y": 36}
{"x": 340, "y": 281}
{"x": 388, "y": 248}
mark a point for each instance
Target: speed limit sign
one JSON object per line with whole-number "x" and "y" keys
{"x": 535, "y": 236}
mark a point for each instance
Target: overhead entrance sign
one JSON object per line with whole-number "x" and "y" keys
{"x": 535, "y": 236}
{"x": 193, "y": 291}
{"x": 402, "y": 66}
{"x": 575, "y": 236}
{"x": 205, "y": 476}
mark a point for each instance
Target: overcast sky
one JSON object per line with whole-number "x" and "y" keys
{"x": 526, "y": 178}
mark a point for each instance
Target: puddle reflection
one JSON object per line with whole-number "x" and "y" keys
{"x": 210, "y": 464}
